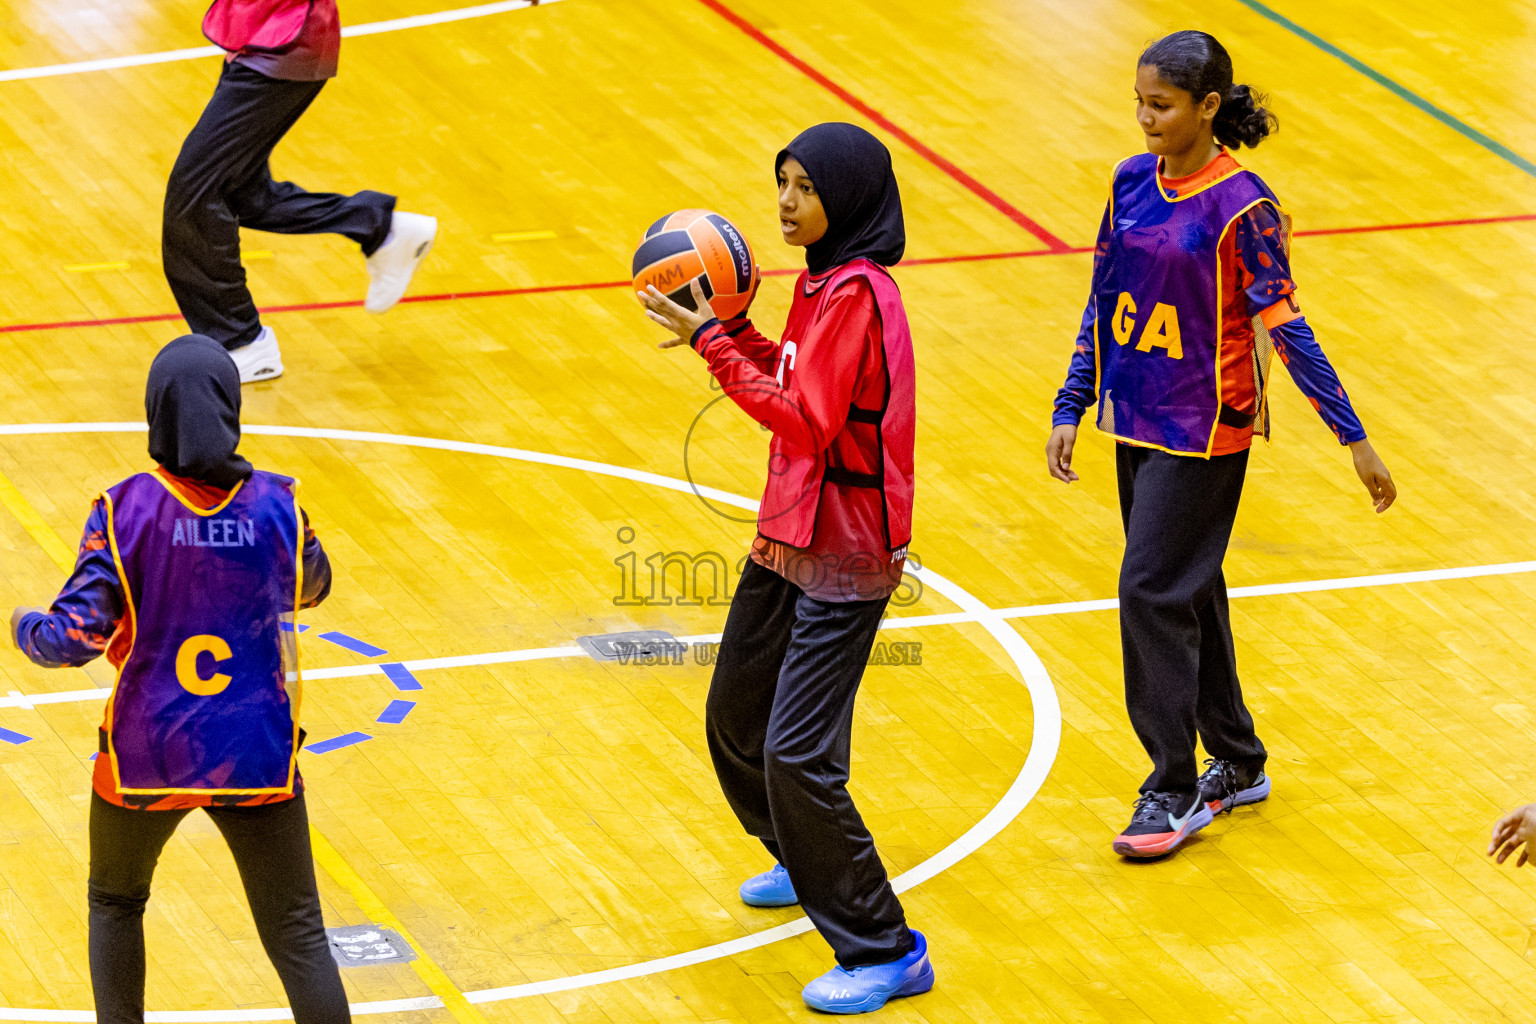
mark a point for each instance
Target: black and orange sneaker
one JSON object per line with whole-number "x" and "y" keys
{"x": 1161, "y": 822}
{"x": 1227, "y": 784}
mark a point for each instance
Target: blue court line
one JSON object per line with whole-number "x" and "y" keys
{"x": 292, "y": 627}
{"x": 337, "y": 742}
{"x": 401, "y": 677}
{"x": 1445, "y": 118}
{"x": 396, "y": 712}
{"x": 353, "y": 644}
{"x": 13, "y": 737}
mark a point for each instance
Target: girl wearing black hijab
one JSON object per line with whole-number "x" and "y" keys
{"x": 833, "y": 529}
{"x": 185, "y": 578}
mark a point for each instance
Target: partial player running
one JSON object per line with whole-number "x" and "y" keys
{"x": 280, "y": 56}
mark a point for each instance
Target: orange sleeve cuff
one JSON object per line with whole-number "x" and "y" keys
{"x": 1282, "y": 312}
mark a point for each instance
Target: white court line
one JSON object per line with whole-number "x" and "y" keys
{"x": 914, "y": 621}
{"x": 27, "y": 700}
{"x": 18, "y": 700}
{"x": 1261, "y": 590}
{"x": 1037, "y": 765}
{"x": 168, "y": 56}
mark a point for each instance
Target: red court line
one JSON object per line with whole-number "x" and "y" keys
{"x": 149, "y": 318}
{"x": 992, "y": 199}
{"x": 306, "y": 307}
{"x": 1513, "y": 218}
{"x": 550, "y": 289}
{"x": 983, "y": 257}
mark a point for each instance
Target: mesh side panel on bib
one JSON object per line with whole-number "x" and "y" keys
{"x": 1264, "y": 345}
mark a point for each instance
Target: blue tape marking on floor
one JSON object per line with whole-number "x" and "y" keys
{"x": 396, "y": 712}
{"x": 353, "y": 644}
{"x": 401, "y": 676}
{"x": 93, "y": 757}
{"x": 336, "y": 743}
{"x": 1450, "y": 120}
{"x": 292, "y": 627}
{"x": 13, "y": 737}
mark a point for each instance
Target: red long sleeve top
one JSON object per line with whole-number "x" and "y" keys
{"x": 801, "y": 389}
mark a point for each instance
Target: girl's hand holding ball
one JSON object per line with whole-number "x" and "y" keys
{"x": 684, "y": 323}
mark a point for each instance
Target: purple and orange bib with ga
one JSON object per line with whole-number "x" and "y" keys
{"x": 1157, "y": 306}
{"x": 202, "y": 704}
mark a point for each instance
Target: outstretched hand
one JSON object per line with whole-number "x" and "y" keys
{"x": 1514, "y": 831}
{"x": 682, "y": 322}
{"x": 16, "y": 620}
{"x": 1373, "y": 473}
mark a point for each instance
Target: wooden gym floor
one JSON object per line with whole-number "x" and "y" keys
{"x": 538, "y": 817}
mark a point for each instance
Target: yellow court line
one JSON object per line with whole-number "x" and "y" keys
{"x": 325, "y": 854}
{"x": 41, "y": 532}
{"x": 49, "y": 541}
{"x": 522, "y": 236}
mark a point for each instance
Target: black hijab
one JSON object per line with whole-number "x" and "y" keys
{"x": 851, "y": 170}
{"x": 192, "y": 401}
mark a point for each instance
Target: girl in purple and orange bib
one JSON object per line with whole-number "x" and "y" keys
{"x": 1192, "y": 292}
{"x": 185, "y": 579}
{"x": 833, "y": 528}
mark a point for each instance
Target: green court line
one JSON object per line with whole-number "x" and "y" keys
{"x": 1444, "y": 117}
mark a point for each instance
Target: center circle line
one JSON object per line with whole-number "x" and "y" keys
{"x": 1044, "y": 744}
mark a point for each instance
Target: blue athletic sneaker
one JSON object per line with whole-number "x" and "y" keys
{"x": 867, "y": 988}
{"x": 1226, "y": 785}
{"x": 769, "y": 889}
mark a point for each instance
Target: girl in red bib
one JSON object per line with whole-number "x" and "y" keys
{"x": 833, "y": 528}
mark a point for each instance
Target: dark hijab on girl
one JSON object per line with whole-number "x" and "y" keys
{"x": 851, "y": 170}
{"x": 192, "y": 401}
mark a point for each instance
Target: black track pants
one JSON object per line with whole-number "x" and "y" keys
{"x": 1175, "y": 633}
{"x": 270, "y": 844}
{"x": 222, "y": 181}
{"x": 779, "y": 721}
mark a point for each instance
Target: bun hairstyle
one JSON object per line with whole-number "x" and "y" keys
{"x": 1198, "y": 64}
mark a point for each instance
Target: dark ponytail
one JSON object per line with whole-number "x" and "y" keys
{"x": 1198, "y": 64}
{"x": 1243, "y": 120}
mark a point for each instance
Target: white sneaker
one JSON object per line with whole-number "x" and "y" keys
{"x": 391, "y": 266}
{"x": 260, "y": 360}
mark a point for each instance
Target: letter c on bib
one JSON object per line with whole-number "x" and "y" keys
{"x": 1125, "y": 318}
{"x": 186, "y": 665}
{"x": 786, "y": 354}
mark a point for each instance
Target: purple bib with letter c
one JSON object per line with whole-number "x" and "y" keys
{"x": 201, "y": 703}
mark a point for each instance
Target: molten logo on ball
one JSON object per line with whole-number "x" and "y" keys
{"x": 697, "y": 245}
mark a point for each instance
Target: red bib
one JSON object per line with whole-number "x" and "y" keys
{"x": 256, "y": 26}
{"x": 793, "y": 492}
